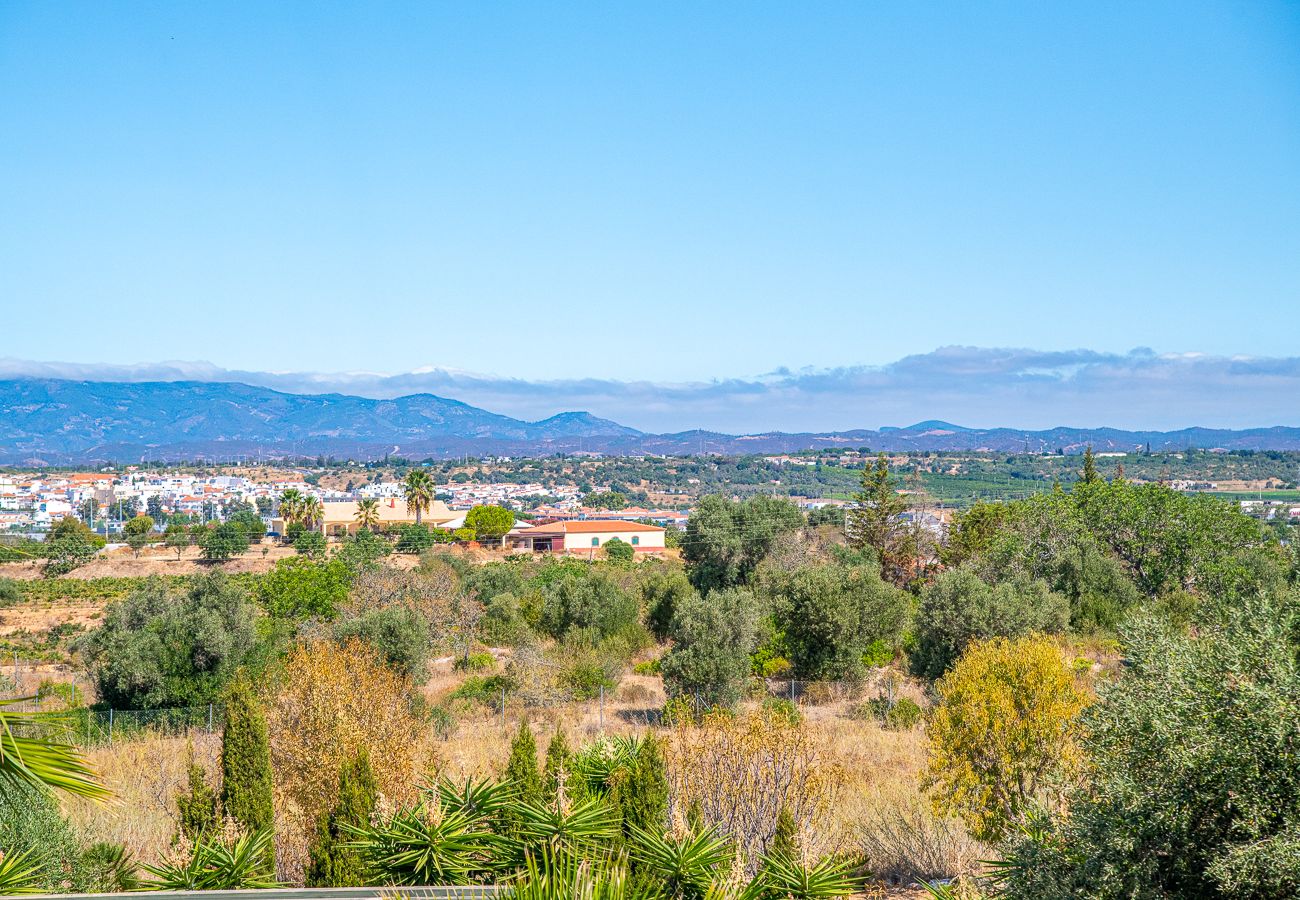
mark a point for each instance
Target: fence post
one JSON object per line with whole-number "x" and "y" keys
{"x": 791, "y": 690}
{"x": 110, "y": 726}
{"x": 602, "y": 708}
{"x": 209, "y": 718}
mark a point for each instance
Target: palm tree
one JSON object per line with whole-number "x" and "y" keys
{"x": 291, "y": 506}
{"x": 418, "y": 490}
{"x": 313, "y": 512}
{"x": 368, "y": 513}
{"x": 30, "y": 754}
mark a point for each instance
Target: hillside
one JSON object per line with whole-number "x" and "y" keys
{"x": 53, "y": 422}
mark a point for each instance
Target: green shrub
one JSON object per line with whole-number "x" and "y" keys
{"x": 648, "y": 667}
{"x": 504, "y": 623}
{"x": 30, "y": 822}
{"x": 485, "y": 689}
{"x": 223, "y": 542}
{"x": 620, "y": 552}
{"x": 311, "y": 543}
{"x": 830, "y": 615}
{"x": 301, "y": 587}
{"x": 10, "y": 593}
{"x": 591, "y": 599}
{"x": 521, "y": 768}
{"x": 586, "y": 677}
{"x": 713, "y": 637}
{"x": 879, "y": 653}
{"x": 661, "y": 593}
{"x": 1192, "y": 787}
{"x": 475, "y": 662}
{"x": 398, "y": 633}
{"x": 959, "y": 607}
{"x": 782, "y": 709}
{"x": 903, "y": 714}
{"x": 157, "y": 649}
{"x": 362, "y": 550}
{"x": 198, "y": 808}
{"x": 413, "y": 539}
{"x": 63, "y": 555}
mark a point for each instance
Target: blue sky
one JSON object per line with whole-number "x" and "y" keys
{"x": 654, "y": 195}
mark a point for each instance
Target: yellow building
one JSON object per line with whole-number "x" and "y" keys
{"x": 341, "y": 516}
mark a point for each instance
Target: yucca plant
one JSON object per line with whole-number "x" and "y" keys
{"x": 19, "y": 873}
{"x": 589, "y": 827}
{"x": 427, "y": 844}
{"x": 31, "y": 753}
{"x": 566, "y": 876}
{"x": 479, "y": 801}
{"x": 683, "y": 869}
{"x": 597, "y": 763}
{"x": 111, "y": 868}
{"x": 214, "y": 865}
{"x": 787, "y": 878}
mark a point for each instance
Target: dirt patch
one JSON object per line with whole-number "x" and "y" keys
{"x": 37, "y": 619}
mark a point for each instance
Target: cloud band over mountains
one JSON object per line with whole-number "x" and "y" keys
{"x": 971, "y": 386}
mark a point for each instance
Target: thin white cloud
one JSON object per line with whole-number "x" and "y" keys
{"x": 972, "y": 386}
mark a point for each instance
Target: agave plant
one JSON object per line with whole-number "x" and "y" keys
{"x": 214, "y": 865}
{"x": 783, "y": 877}
{"x": 427, "y": 844}
{"x": 19, "y": 873}
{"x": 683, "y": 869}
{"x": 32, "y": 754}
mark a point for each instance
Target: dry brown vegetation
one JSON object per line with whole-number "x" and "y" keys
{"x": 859, "y": 781}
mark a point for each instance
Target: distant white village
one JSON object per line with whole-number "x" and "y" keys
{"x": 34, "y": 502}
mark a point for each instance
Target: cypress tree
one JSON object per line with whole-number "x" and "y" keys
{"x": 1089, "y": 466}
{"x": 246, "y": 787}
{"x": 197, "y": 807}
{"x": 521, "y": 769}
{"x": 558, "y": 756}
{"x": 785, "y": 840}
{"x": 640, "y": 794}
{"x": 330, "y": 862}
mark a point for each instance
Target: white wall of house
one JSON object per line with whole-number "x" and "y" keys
{"x": 641, "y": 540}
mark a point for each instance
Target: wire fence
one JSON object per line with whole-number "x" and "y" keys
{"x": 632, "y": 706}
{"x": 93, "y": 726}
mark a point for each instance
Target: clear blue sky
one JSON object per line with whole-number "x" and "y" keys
{"x": 660, "y": 191}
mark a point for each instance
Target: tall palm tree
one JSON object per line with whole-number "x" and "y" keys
{"x": 313, "y": 512}
{"x": 291, "y": 506}
{"x": 418, "y": 489}
{"x": 368, "y": 513}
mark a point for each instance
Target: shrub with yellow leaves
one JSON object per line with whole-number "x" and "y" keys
{"x": 329, "y": 702}
{"x": 1004, "y": 736}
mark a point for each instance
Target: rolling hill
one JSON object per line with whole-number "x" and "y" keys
{"x": 56, "y": 422}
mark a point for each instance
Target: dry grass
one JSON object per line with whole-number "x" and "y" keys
{"x": 144, "y": 776}
{"x": 877, "y": 809}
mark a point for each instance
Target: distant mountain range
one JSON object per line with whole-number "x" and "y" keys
{"x": 54, "y": 422}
